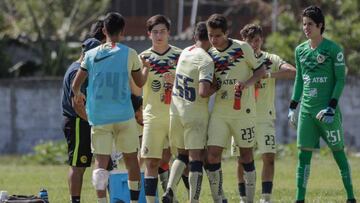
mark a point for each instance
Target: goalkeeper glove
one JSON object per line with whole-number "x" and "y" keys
{"x": 326, "y": 115}
{"x": 292, "y": 118}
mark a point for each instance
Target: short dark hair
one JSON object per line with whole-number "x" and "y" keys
{"x": 114, "y": 23}
{"x": 316, "y": 15}
{"x": 217, "y": 21}
{"x": 250, "y": 31}
{"x": 96, "y": 30}
{"x": 156, "y": 20}
{"x": 200, "y": 31}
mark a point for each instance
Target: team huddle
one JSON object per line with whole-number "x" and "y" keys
{"x": 111, "y": 91}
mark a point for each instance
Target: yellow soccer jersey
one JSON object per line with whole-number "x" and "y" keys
{"x": 235, "y": 63}
{"x": 159, "y": 81}
{"x": 195, "y": 65}
{"x": 265, "y": 104}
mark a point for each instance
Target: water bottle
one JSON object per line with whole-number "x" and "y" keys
{"x": 257, "y": 88}
{"x": 237, "y": 100}
{"x": 43, "y": 194}
{"x": 3, "y": 196}
{"x": 167, "y": 95}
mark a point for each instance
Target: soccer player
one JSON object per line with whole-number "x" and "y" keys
{"x": 320, "y": 79}
{"x": 276, "y": 68}
{"x": 108, "y": 104}
{"x": 236, "y": 70}
{"x": 162, "y": 58}
{"x": 76, "y": 127}
{"x": 189, "y": 111}
{"x": 96, "y": 31}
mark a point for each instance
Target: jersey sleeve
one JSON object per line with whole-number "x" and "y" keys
{"x": 298, "y": 85}
{"x": 85, "y": 63}
{"x": 277, "y": 61}
{"x": 251, "y": 60}
{"x": 135, "y": 63}
{"x": 339, "y": 72}
{"x": 206, "y": 71}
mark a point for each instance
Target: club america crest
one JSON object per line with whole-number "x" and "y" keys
{"x": 320, "y": 58}
{"x": 172, "y": 63}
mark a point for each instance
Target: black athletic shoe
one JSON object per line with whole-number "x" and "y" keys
{"x": 168, "y": 196}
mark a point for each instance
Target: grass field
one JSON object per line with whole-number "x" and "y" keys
{"x": 324, "y": 186}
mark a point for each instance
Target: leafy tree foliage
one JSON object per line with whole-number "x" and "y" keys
{"x": 342, "y": 21}
{"x": 47, "y": 26}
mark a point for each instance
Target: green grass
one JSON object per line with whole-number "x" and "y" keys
{"x": 324, "y": 185}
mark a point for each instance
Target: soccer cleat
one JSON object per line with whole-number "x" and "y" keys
{"x": 300, "y": 201}
{"x": 242, "y": 199}
{"x": 168, "y": 196}
{"x": 351, "y": 201}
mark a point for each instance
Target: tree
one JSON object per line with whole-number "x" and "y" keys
{"x": 342, "y": 24}
{"x": 48, "y": 25}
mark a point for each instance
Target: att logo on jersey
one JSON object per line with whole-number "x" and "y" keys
{"x": 319, "y": 80}
{"x": 224, "y": 63}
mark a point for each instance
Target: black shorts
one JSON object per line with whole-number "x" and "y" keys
{"x": 77, "y": 133}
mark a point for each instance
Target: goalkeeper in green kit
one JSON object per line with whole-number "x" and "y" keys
{"x": 320, "y": 79}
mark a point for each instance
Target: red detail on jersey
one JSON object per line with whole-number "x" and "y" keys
{"x": 193, "y": 47}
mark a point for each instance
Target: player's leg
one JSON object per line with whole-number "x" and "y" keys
{"x": 77, "y": 134}
{"x": 333, "y": 135}
{"x": 248, "y": 165}
{"x": 181, "y": 161}
{"x": 244, "y": 137}
{"x": 127, "y": 141}
{"x": 266, "y": 145}
{"x": 307, "y": 140}
{"x": 195, "y": 174}
{"x": 267, "y": 176}
{"x": 132, "y": 166}
{"x": 185, "y": 178}
{"x": 177, "y": 168}
{"x": 240, "y": 179}
{"x": 164, "y": 168}
{"x": 235, "y": 152}
{"x": 214, "y": 172}
{"x": 155, "y": 134}
{"x": 195, "y": 135}
{"x": 101, "y": 143}
{"x": 218, "y": 136}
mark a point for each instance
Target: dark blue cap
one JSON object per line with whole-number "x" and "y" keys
{"x": 90, "y": 43}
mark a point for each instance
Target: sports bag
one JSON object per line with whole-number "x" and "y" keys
{"x": 24, "y": 199}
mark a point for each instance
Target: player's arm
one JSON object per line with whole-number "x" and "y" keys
{"x": 258, "y": 73}
{"x": 258, "y": 67}
{"x": 134, "y": 88}
{"x": 207, "y": 80}
{"x": 79, "y": 109}
{"x": 327, "y": 115}
{"x": 81, "y": 75}
{"x": 339, "y": 72}
{"x": 286, "y": 71}
{"x": 206, "y": 89}
{"x": 139, "y": 75}
{"x": 297, "y": 92}
{"x": 298, "y": 84}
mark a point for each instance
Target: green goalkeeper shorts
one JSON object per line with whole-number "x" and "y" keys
{"x": 311, "y": 129}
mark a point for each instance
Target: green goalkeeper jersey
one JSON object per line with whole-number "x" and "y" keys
{"x": 320, "y": 75}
